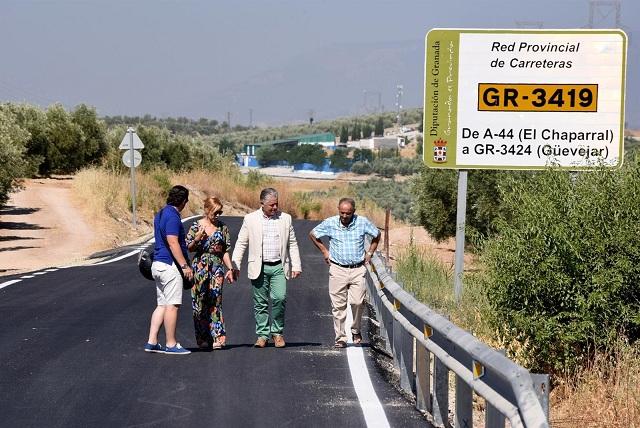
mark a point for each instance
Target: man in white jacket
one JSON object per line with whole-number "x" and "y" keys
{"x": 272, "y": 259}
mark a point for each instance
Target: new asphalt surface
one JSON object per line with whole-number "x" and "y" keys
{"x": 71, "y": 356}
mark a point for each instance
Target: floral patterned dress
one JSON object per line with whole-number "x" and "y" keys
{"x": 208, "y": 278}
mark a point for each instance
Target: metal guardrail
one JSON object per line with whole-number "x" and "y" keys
{"x": 412, "y": 333}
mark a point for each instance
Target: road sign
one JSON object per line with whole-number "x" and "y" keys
{"x": 524, "y": 99}
{"x": 126, "y": 140}
{"x": 137, "y": 158}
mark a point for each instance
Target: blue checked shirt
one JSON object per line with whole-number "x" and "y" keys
{"x": 347, "y": 243}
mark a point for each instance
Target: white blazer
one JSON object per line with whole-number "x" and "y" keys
{"x": 251, "y": 234}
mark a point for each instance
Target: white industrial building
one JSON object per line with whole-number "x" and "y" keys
{"x": 375, "y": 143}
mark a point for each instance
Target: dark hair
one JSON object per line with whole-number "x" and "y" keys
{"x": 177, "y": 195}
{"x": 269, "y": 191}
{"x": 349, "y": 201}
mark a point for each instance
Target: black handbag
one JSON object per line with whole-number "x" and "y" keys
{"x": 145, "y": 260}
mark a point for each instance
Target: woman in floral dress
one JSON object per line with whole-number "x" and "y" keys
{"x": 209, "y": 239}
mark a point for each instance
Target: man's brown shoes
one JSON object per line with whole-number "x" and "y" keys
{"x": 278, "y": 341}
{"x": 260, "y": 343}
{"x": 357, "y": 338}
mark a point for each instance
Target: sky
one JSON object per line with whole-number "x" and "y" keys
{"x": 256, "y": 62}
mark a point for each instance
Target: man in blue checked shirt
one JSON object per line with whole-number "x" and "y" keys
{"x": 346, "y": 258}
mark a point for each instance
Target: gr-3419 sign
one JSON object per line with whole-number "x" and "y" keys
{"x": 537, "y": 97}
{"x": 524, "y": 99}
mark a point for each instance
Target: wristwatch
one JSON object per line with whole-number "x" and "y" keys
{"x": 369, "y": 253}
{"x": 184, "y": 266}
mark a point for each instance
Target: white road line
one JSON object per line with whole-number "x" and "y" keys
{"x": 124, "y": 256}
{"x": 8, "y": 283}
{"x": 51, "y": 270}
{"x": 27, "y": 276}
{"x": 40, "y": 273}
{"x": 140, "y": 247}
{"x": 374, "y": 415}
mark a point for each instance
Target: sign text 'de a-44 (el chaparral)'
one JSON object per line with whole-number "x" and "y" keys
{"x": 524, "y": 99}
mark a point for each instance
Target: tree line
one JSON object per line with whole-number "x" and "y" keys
{"x": 385, "y": 162}
{"x": 35, "y": 141}
{"x": 177, "y": 125}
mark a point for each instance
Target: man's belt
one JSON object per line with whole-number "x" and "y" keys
{"x": 277, "y": 262}
{"x": 353, "y": 266}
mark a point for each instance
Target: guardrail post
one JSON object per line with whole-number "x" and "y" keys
{"x": 541, "y": 386}
{"x": 374, "y": 299}
{"x": 423, "y": 379}
{"x": 464, "y": 402}
{"x": 396, "y": 341}
{"x": 407, "y": 380}
{"x": 440, "y": 394}
{"x": 492, "y": 417}
{"x": 387, "y": 319}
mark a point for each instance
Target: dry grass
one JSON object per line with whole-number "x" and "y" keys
{"x": 105, "y": 198}
{"x": 606, "y": 394}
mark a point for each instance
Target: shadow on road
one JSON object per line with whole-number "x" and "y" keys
{"x": 250, "y": 345}
{"x": 11, "y": 210}
{"x": 23, "y": 247}
{"x": 15, "y": 238}
{"x": 12, "y": 225}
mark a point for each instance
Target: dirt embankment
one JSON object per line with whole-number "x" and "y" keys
{"x": 40, "y": 227}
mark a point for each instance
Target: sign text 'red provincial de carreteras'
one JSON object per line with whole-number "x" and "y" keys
{"x": 524, "y": 99}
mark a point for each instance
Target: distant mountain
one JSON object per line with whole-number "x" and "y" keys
{"x": 331, "y": 81}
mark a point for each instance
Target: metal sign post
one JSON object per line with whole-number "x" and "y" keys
{"x": 132, "y": 159}
{"x": 460, "y": 225}
{"x": 132, "y": 169}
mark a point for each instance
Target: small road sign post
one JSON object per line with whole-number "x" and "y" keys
{"x": 132, "y": 158}
{"x": 522, "y": 99}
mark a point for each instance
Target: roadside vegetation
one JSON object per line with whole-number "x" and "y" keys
{"x": 554, "y": 281}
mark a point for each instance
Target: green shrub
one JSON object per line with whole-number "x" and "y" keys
{"x": 255, "y": 179}
{"x": 431, "y": 281}
{"x": 564, "y": 268}
{"x": 162, "y": 178}
{"x": 436, "y": 201}
{"x": 307, "y": 204}
{"x": 13, "y": 140}
{"x": 387, "y": 194}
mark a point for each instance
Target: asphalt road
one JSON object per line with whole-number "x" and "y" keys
{"x": 71, "y": 355}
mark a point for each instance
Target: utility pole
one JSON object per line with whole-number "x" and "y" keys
{"x": 250, "y": 118}
{"x": 229, "y": 119}
{"x": 399, "y": 89}
{"x": 604, "y": 14}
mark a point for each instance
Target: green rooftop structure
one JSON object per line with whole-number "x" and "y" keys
{"x": 326, "y": 140}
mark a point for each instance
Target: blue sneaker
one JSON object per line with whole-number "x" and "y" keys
{"x": 153, "y": 348}
{"x": 176, "y": 350}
